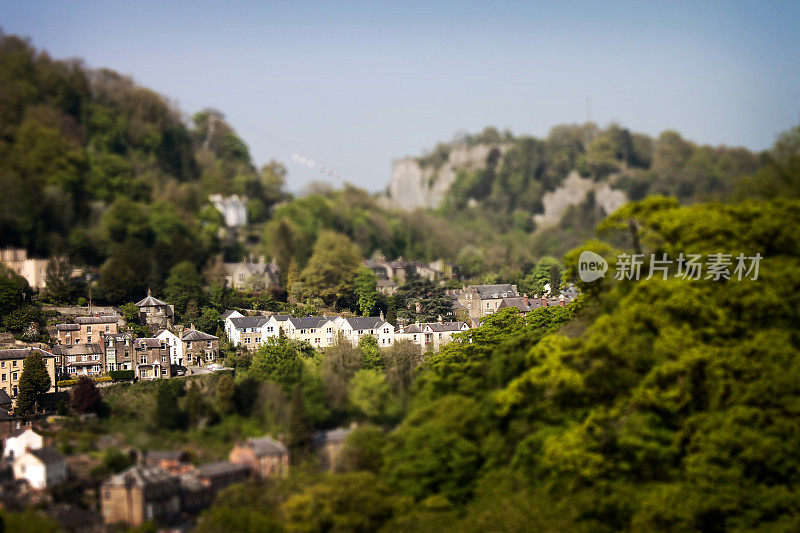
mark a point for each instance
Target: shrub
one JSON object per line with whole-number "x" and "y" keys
{"x": 121, "y": 375}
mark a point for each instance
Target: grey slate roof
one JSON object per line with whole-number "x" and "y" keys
{"x": 150, "y": 301}
{"x": 22, "y": 353}
{"x": 331, "y": 436}
{"x": 308, "y": 322}
{"x": 519, "y": 303}
{"x": 280, "y": 318}
{"x": 107, "y": 319}
{"x": 47, "y": 455}
{"x": 78, "y": 349}
{"x": 267, "y": 446}
{"x": 68, "y": 327}
{"x": 227, "y": 313}
{"x": 220, "y": 468}
{"x": 148, "y": 342}
{"x": 503, "y": 290}
{"x": 445, "y": 326}
{"x": 366, "y": 322}
{"x": 195, "y": 335}
{"x": 141, "y": 476}
{"x": 243, "y": 322}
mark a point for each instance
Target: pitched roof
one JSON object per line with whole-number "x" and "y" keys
{"x": 148, "y": 342}
{"x": 308, "y": 321}
{"x": 4, "y": 397}
{"x": 19, "y": 431}
{"x": 445, "y": 326}
{"x": 150, "y": 301}
{"x": 68, "y": 327}
{"x": 266, "y": 446}
{"x": 47, "y": 455}
{"x": 141, "y": 476}
{"x": 281, "y": 318}
{"x": 503, "y": 290}
{"x": 366, "y": 322}
{"x": 220, "y": 468}
{"x": 78, "y": 349}
{"x": 22, "y": 353}
{"x": 195, "y": 335}
{"x": 105, "y": 319}
{"x": 332, "y": 435}
{"x": 228, "y": 313}
{"x": 165, "y": 455}
{"x": 413, "y": 328}
{"x": 518, "y": 302}
{"x": 243, "y": 322}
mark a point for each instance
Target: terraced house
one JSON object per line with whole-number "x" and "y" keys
{"x": 80, "y": 359}
{"x": 431, "y": 336}
{"x": 353, "y": 329}
{"x": 152, "y": 359}
{"x": 319, "y": 331}
{"x": 11, "y": 362}
{"x": 119, "y": 351}
{"x": 246, "y": 331}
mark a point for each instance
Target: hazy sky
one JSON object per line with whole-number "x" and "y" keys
{"x": 353, "y": 85}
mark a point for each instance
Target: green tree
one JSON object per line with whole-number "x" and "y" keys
{"x": 60, "y": 287}
{"x": 298, "y": 430}
{"x": 224, "y": 396}
{"x": 547, "y": 271}
{"x": 371, "y": 396}
{"x": 34, "y": 382}
{"x": 168, "y": 413}
{"x": 183, "y": 285}
{"x": 365, "y": 289}
{"x": 331, "y": 271}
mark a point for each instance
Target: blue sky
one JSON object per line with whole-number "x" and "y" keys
{"x": 353, "y": 85}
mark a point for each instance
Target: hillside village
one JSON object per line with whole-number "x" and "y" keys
{"x": 104, "y": 347}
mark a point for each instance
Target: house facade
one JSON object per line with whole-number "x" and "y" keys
{"x": 319, "y": 331}
{"x": 33, "y": 270}
{"x": 86, "y": 329}
{"x": 42, "y": 468}
{"x": 80, "y": 359}
{"x": 152, "y": 359}
{"x": 11, "y": 362}
{"x": 352, "y": 329}
{"x": 241, "y": 275}
{"x": 174, "y": 346}
{"x": 154, "y": 312}
{"x": 431, "y": 336}
{"x": 140, "y": 494}
{"x": 199, "y": 348}
{"x": 484, "y": 300}
{"x": 119, "y": 351}
{"x": 20, "y": 441}
{"x": 246, "y": 331}
{"x": 264, "y": 456}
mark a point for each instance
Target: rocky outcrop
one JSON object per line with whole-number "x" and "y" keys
{"x": 573, "y": 191}
{"x": 415, "y": 184}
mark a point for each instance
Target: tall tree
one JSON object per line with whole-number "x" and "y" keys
{"x": 183, "y": 285}
{"x": 85, "y": 398}
{"x": 366, "y": 284}
{"x": 33, "y": 383}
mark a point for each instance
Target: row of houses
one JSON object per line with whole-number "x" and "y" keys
{"x": 250, "y": 332}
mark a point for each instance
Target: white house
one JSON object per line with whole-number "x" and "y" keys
{"x": 352, "y": 329}
{"x": 431, "y": 336}
{"x": 42, "y": 468}
{"x": 274, "y": 326}
{"x": 174, "y": 345}
{"x": 226, "y": 320}
{"x": 246, "y": 331}
{"x": 319, "y": 331}
{"x": 21, "y": 440}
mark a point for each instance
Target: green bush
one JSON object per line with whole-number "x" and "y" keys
{"x": 120, "y": 375}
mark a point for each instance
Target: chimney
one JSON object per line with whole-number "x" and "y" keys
{"x": 525, "y": 295}
{"x": 440, "y": 319}
{"x": 148, "y": 292}
{"x": 544, "y": 301}
{"x": 382, "y": 315}
{"x": 191, "y": 326}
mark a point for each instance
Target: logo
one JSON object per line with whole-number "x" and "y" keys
{"x": 591, "y": 266}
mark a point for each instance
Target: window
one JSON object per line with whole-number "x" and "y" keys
{"x": 13, "y": 363}
{"x": 89, "y": 339}
{"x": 189, "y": 345}
{"x": 317, "y": 340}
{"x": 313, "y": 330}
{"x": 330, "y": 330}
{"x": 108, "y": 328}
{"x": 96, "y": 368}
{"x": 269, "y": 329}
{"x": 386, "y": 330}
{"x": 2, "y": 364}
{"x": 3, "y": 377}
{"x": 144, "y": 359}
{"x": 144, "y": 373}
{"x": 14, "y": 376}
{"x": 88, "y": 329}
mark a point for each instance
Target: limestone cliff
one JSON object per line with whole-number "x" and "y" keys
{"x": 416, "y": 183}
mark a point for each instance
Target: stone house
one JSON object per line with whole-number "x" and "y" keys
{"x": 141, "y": 494}
{"x": 68, "y": 334}
{"x": 328, "y": 445}
{"x": 33, "y": 270}
{"x": 240, "y": 275}
{"x": 86, "y": 329}
{"x": 11, "y": 362}
{"x": 199, "y": 348}
{"x": 119, "y": 351}
{"x": 264, "y": 456}
{"x": 173, "y": 461}
{"x": 42, "y": 468}
{"x": 201, "y": 485}
{"x": 152, "y": 360}
{"x": 174, "y": 345}
{"x": 154, "y": 312}
{"x": 484, "y": 300}
{"x": 80, "y": 359}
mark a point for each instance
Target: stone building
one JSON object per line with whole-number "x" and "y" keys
{"x": 264, "y": 456}
{"x": 141, "y": 494}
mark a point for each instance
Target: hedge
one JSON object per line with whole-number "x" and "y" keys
{"x": 71, "y": 382}
{"x": 121, "y": 375}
